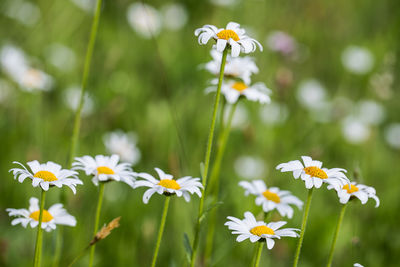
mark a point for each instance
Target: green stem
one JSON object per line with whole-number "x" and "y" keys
{"x": 77, "y": 119}
{"x": 207, "y": 157}
{"x": 339, "y": 223}
{"x": 214, "y": 183}
{"x": 160, "y": 231}
{"x": 96, "y": 222}
{"x": 83, "y": 252}
{"x": 39, "y": 236}
{"x": 267, "y": 216}
{"x": 303, "y": 227}
{"x": 257, "y": 255}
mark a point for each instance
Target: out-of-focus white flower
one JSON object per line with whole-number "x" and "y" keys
{"x": 24, "y": 12}
{"x": 122, "y": 144}
{"x": 392, "y": 135}
{"x": 311, "y": 94}
{"x": 236, "y": 67}
{"x": 281, "y": 42}
{"x": 15, "y": 63}
{"x": 225, "y": 3}
{"x": 72, "y": 96}
{"x": 62, "y": 57}
{"x": 357, "y": 265}
{"x": 274, "y": 113}
{"x": 370, "y": 112}
{"x": 232, "y": 36}
{"x": 233, "y": 90}
{"x": 175, "y": 16}
{"x": 249, "y": 167}
{"x": 354, "y": 130}
{"x": 240, "y": 118}
{"x": 144, "y": 19}
{"x": 357, "y": 60}
{"x": 86, "y": 5}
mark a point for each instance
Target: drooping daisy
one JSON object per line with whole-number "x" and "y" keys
{"x": 46, "y": 175}
{"x": 105, "y": 169}
{"x": 233, "y": 35}
{"x": 168, "y": 186}
{"x": 258, "y": 230}
{"x": 232, "y": 90}
{"x": 235, "y": 67}
{"x": 56, "y": 214}
{"x": 313, "y": 174}
{"x": 360, "y": 191}
{"x": 271, "y": 198}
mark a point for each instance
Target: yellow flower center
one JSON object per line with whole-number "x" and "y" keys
{"x": 316, "y": 172}
{"x": 239, "y": 86}
{"x": 46, "y": 216}
{"x": 104, "y": 170}
{"x": 262, "y": 230}
{"x": 46, "y": 176}
{"x": 352, "y": 188}
{"x": 228, "y": 34}
{"x": 169, "y": 183}
{"x": 271, "y": 196}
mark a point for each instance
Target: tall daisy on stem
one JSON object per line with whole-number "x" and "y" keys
{"x": 347, "y": 193}
{"x": 231, "y": 38}
{"x": 77, "y": 119}
{"x": 258, "y": 231}
{"x": 168, "y": 187}
{"x": 313, "y": 175}
{"x": 45, "y": 175}
{"x": 104, "y": 169}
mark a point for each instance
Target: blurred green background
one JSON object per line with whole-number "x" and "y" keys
{"x": 154, "y": 87}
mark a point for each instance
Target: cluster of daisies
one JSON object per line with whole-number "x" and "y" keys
{"x": 103, "y": 169}
{"x": 238, "y": 70}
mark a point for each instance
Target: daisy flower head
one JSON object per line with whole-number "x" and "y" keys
{"x": 271, "y": 198}
{"x": 259, "y": 230}
{"x": 168, "y": 186}
{"x": 56, "y": 214}
{"x": 233, "y": 90}
{"x": 232, "y": 36}
{"x": 360, "y": 191}
{"x": 46, "y": 175}
{"x": 235, "y": 67}
{"x": 313, "y": 174}
{"x": 105, "y": 169}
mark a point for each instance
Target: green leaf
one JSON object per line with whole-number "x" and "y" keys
{"x": 211, "y": 207}
{"x": 188, "y": 247}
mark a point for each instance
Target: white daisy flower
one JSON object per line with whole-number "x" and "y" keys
{"x": 357, "y": 60}
{"x": 235, "y": 67}
{"x": 233, "y": 35}
{"x": 56, "y": 214}
{"x": 271, "y": 198}
{"x": 124, "y": 145}
{"x": 313, "y": 174}
{"x": 46, "y": 175}
{"x": 105, "y": 169}
{"x": 232, "y": 90}
{"x": 360, "y": 191}
{"x": 168, "y": 186}
{"x": 258, "y": 230}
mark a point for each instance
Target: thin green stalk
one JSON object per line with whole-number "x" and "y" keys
{"x": 77, "y": 119}
{"x": 96, "y": 222}
{"x": 207, "y": 158}
{"x": 267, "y": 216}
{"x": 160, "y": 231}
{"x": 39, "y": 236}
{"x": 339, "y": 223}
{"x": 257, "y": 255}
{"x": 80, "y": 255}
{"x": 214, "y": 183}
{"x": 303, "y": 227}
{"x": 86, "y": 69}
